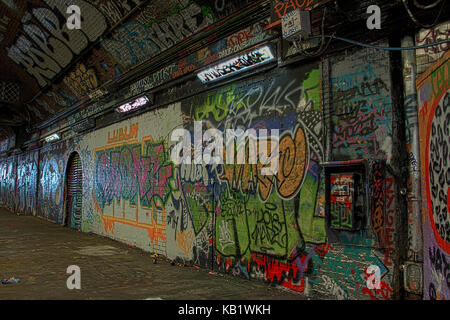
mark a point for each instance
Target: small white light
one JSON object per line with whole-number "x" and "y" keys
{"x": 52, "y": 137}
{"x": 237, "y": 64}
{"x": 139, "y": 102}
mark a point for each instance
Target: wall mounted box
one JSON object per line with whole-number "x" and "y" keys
{"x": 346, "y": 197}
{"x": 296, "y": 25}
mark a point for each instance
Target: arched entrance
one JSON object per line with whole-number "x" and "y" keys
{"x": 74, "y": 192}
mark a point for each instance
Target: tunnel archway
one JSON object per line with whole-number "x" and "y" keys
{"x": 74, "y": 192}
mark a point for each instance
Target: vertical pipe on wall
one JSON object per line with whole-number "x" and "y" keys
{"x": 415, "y": 236}
{"x": 398, "y": 166}
{"x": 326, "y": 109}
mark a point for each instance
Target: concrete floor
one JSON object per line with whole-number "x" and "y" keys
{"x": 39, "y": 252}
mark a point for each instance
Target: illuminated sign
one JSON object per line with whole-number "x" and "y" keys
{"x": 52, "y": 137}
{"x": 139, "y": 102}
{"x": 237, "y": 64}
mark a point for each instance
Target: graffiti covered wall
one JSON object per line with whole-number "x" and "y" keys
{"x": 361, "y": 105}
{"x": 213, "y": 215}
{"x": 230, "y": 217}
{"x": 128, "y": 179}
{"x": 8, "y": 176}
{"x": 433, "y": 90}
{"x": 52, "y": 167}
{"x": 426, "y": 57}
{"x": 261, "y": 220}
{"x": 361, "y": 120}
{"x": 27, "y": 177}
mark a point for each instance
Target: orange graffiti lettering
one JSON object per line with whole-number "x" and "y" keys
{"x": 184, "y": 241}
{"x": 122, "y": 134}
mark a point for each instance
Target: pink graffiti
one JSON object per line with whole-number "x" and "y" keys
{"x": 125, "y": 172}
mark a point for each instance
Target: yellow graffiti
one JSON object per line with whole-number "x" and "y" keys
{"x": 82, "y": 81}
{"x": 291, "y": 169}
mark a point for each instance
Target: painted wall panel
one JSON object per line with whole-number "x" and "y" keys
{"x": 27, "y": 181}
{"x": 52, "y": 168}
{"x": 426, "y": 57}
{"x": 253, "y": 214}
{"x": 361, "y": 119}
{"x": 128, "y": 180}
{"x": 361, "y": 105}
{"x": 8, "y": 176}
{"x": 433, "y": 90}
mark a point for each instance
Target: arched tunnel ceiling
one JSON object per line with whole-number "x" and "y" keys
{"x": 13, "y": 78}
{"x": 55, "y": 67}
{"x": 46, "y": 68}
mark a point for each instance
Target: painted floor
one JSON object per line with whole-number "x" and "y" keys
{"x": 38, "y": 252}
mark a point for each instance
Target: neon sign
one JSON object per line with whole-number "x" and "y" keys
{"x": 139, "y": 102}
{"x": 237, "y": 64}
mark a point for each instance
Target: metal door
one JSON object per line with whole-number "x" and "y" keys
{"x": 74, "y": 195}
